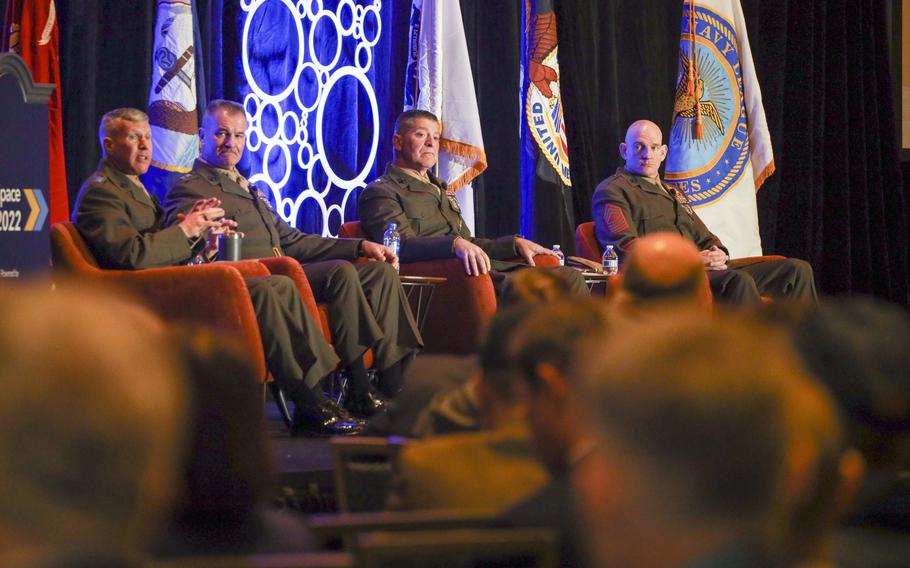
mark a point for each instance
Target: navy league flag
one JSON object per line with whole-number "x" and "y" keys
{"x": 720, "y": 147}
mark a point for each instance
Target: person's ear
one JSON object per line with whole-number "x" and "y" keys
{"x": 663, "y": 151}
{"x": 108, "y": 144}
{"x": 553, "y": 381}
{"x": 622, "y": 150}
{"x": 396, "y": 142}
{"x": 851, "y": 470}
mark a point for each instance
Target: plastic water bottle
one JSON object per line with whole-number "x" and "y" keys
{"x": 562, "y": 257}
{"x": 392, "y": 238}
{"x": 610, "y": 261}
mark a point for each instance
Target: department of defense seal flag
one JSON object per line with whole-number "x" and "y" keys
{"x": 438, "y": 79}
{"x": 720, "y": 147}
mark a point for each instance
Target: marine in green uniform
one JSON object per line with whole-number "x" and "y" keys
{"x": 635, "y": 202}
{"x": 124, "y": 226}
{"x": 428, "y": 215}
{"x": 367, "y": 305}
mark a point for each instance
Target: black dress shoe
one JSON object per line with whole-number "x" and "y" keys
{"x": 365, "y": 405}
{"x": 323, "y": 420}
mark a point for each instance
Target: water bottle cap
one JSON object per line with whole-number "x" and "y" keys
{"x": 393, "y": 226}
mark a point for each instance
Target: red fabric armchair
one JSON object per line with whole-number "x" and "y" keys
{"x": 212, "y": 294}
{"x": 462, "y": 306}
{"x": 587, "y": 246}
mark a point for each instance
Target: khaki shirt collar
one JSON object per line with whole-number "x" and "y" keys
{"x": 403, "y": 178}
{"x": 129, "y": 183}
{"x": 646, "y": 184}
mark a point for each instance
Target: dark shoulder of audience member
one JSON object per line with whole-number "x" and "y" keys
{"x": 228, "y": 473}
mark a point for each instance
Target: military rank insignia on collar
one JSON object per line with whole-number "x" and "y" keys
{"x": 261, "y": 196}
{"x": 99, "y": 179}
{"x": 454, "y": 202}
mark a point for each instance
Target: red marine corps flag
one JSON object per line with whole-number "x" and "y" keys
{"x": 31, "y": 32}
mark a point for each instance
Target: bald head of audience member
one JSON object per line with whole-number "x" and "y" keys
{"x": 706, "y": 442}
{"x": 90, "y": 417}
{"x": 664, "y": 269}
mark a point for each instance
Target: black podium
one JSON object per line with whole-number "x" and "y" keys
{"x": 24, "y": 175}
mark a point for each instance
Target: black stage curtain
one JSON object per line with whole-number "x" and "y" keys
{"x": 837, "y": 198}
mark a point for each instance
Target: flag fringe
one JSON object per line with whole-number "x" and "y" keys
{"x": 764, "y": 175}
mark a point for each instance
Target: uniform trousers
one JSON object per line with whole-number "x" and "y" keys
{"x": 295, "y": 348}
{"x": 365, "y": 310}
{"x": 790, "y": 277}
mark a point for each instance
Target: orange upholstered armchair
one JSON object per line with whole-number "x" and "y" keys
{"x": 214, "y": 294}
{"x": 587, "y": 246}
{"x": 462, "y": 306}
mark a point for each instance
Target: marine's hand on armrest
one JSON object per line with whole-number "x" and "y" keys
{"x": 379, "y": 252}
{"x": 527, "y": 249}
{"x": 474, "y": 259}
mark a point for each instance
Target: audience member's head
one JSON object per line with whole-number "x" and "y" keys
{"x": 858, "y": 349}
{"x": 710, "y": 433}
{"x": 543, "y": 351}
{"x": 536, "y": 287}
{"x": 499, "y": 389}
{"x": 90, "y": 419}
{"x": 663, "y": 270}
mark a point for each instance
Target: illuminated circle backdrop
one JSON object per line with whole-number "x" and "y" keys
{"x": 309, "y": 98}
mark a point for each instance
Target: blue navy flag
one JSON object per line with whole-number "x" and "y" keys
{"x": 546, "y": 204}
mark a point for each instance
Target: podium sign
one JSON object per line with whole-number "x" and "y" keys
{"x": 24, "y": 173}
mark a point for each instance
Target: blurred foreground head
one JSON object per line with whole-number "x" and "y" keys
{"x": 857, "y": 347}
{"x": 663, "y": 270}
{"x": 91, "y": 410}
{"x": 551, "y": 340}
{"x": 710, "y": 433}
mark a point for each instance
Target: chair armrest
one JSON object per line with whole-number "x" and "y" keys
{"x": 210, "y": 295}
{"x": 461, "y": 308}
{"x": 544, "y": 260}
{"x": 246, "y": 268}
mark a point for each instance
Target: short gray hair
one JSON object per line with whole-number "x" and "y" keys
{"x": 126, "y": 113}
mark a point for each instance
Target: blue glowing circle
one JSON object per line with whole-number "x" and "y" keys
{"x": 313, "y": 7}
{"x": 358, "y": 179}
{"x": 363, "y": 57}
{"x": 272, "y": 162}
{"x": 290, "y": 127}
{"x": 334, "y": 217}
{"x": 320, "y": 30}
{"x": 268, "y": 121}
{"x": 346, "y": 22}
{"x": 309, "y": 84}
{"x": 253, "y": 140}
{"x": 374, "y": 26}
{"x": 271, "y": 43}
{"x": 304, "y": 156}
